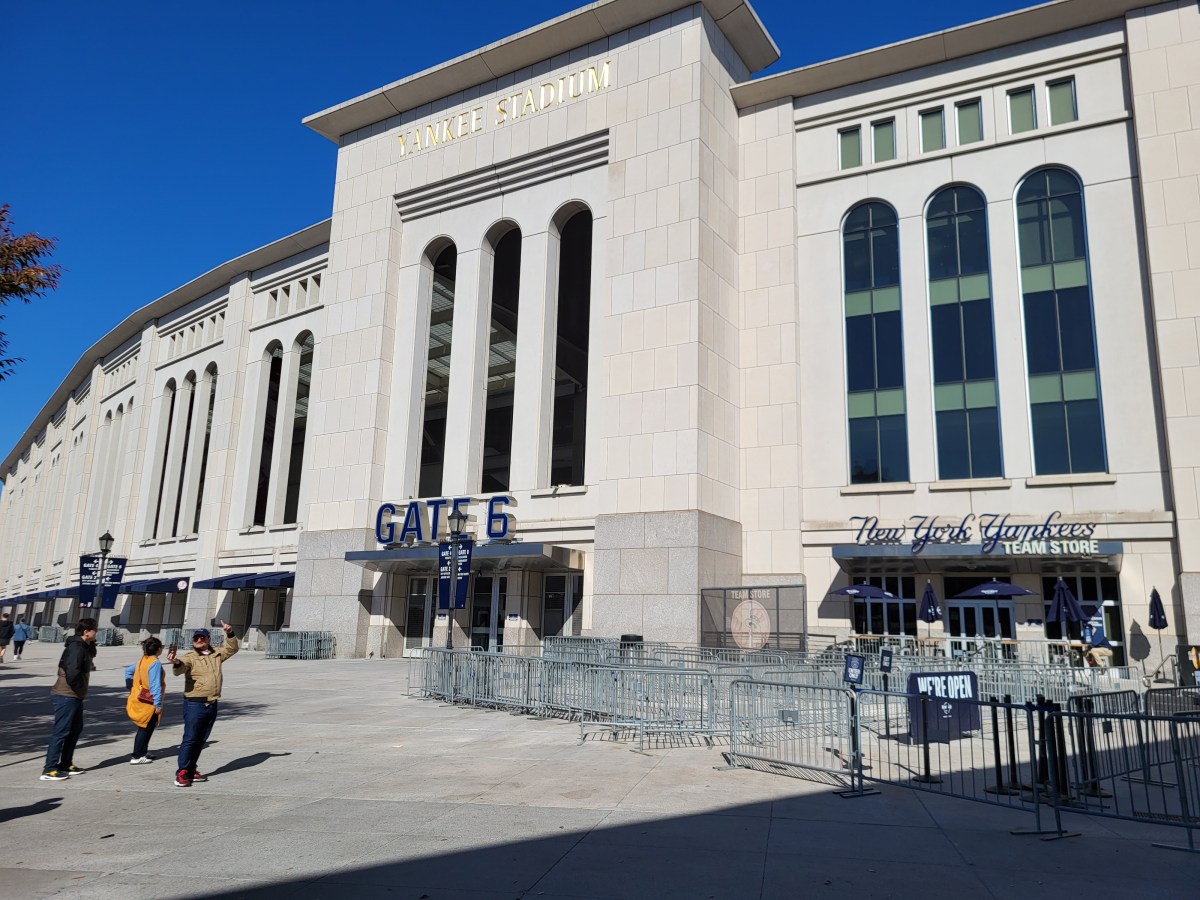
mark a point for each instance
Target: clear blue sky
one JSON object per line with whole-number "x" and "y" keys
{"x": 158, "y": 140}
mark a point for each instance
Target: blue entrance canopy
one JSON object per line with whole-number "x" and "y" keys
{"x": 155, "y": 586}
{"x": 247, "y": 582}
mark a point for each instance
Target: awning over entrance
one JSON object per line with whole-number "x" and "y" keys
{"x": 155, "y": 586}
{"x": 495, "y": 555}
{"x": 898, "y": 559}
{"x": 247, "y": 582}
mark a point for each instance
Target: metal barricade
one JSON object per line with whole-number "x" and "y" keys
{"x": 51, "y": 634}
{"x": 109, "y": 637}
{"x": 300, "y": 645}
{"x": 799, "y": 730}
{"x": 1169, "y": 701}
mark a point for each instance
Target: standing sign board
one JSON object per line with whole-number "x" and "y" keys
{"x": 854, "y": 669}
{"x": 951, "y": 709}
{"x": 89, "y": 576}
{"x": 885, "y": 660}
{"x": 445, "y": 564}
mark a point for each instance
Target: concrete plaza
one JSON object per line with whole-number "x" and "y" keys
{"x": 327, "y": 780}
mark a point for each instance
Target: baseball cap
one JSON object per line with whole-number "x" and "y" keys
{"x": 200, "y": 632}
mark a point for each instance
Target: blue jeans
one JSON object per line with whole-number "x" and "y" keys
{"x": 198, "y": 719}
{"x": 68, "y": 725}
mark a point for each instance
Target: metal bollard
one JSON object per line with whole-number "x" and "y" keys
{"x": 999, "y": 787}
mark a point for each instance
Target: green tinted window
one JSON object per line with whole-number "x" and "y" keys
{"x": 1062, "y": 102}
{"x": 1021, "y": 114}
{"x": 933, "y": 130}
{"x": 883, "y": 135}
{"x": 970, "y": 122}
{"x": 850, "y": 142}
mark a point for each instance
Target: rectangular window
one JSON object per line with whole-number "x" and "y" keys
{"x": 883, "y": 135}
{"x": 970, "y": 122}
{"x": 850, "y": 145}
{"x": 933, "y": 130}
{"x": 1021, "y": 113}
{"x": 1061, "y": 95}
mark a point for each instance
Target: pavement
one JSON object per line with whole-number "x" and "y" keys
{"x": 329, "y": 781}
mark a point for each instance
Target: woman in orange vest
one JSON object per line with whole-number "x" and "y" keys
{"x": 145, "y": 680}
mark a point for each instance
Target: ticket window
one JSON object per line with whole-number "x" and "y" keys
{"x": 559, "y": 599}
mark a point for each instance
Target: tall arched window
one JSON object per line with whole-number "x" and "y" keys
{"x": 168, "y": 414}
{"x": 1064, "y": 388}
{"x": 874, "y": 346}
{"x": 210, "y": 376}
{"x": 964, "y": 346}
{"x": 188, "y": 439}
{"x": 502, "y": 362}
{"x": 303, "y": 386}
{"x": 274, "y": 361}
{"x": 437, "y": 372}
{"x": 571, "y": 350}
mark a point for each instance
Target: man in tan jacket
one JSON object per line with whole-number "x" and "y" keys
{"x": 201, "y": 691}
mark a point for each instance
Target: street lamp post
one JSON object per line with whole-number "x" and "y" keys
{"x": 106, "y": 544}
{"x": 458, "y": 522}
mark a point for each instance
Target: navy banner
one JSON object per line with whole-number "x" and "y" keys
{"x": 89, "y": 578}
{"x": 445, "y": 563}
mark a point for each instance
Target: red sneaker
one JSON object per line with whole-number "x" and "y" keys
{"x": 198, "y": 777}
{"x": 183, "y": 779}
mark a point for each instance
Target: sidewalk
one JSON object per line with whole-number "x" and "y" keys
{"x": 328, "y": 782}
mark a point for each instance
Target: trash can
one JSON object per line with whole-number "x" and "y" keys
{"x": 631, "y": 645}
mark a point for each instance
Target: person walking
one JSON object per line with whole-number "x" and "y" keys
{"x": 6, "y": 634}
{"x": 21, "y": 633}
{"x": 70, "y": 690}
{"x": 201, "y": 693}
{"x": 146, "y": 681}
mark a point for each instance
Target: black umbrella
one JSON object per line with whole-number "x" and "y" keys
{"x": 990, "y": 590}
{"x": 930, "y": 610}
{"x": 1158, "y": 617}
{"x": 865, "y": 590}
{"x": 1064, "y": 607}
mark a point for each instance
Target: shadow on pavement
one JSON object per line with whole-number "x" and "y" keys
{"x": 245, "y": 762}
{"x": 33, "y": 809}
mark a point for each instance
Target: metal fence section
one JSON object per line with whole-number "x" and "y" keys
{"x": 798, "y": 730}
{"x": 1170, "y": 701}
{"x": 300, "y": 645}
{"x": 182, "y": 637}
{"x": 51, "y": 634}
{"x": 109, "y": 637}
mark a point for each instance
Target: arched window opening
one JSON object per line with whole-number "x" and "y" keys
{"x": 299, "y": 429}
{"x": 189, "y": 424}
{"x": 874, "y": 346}
{"x": 211, "y": 376}
{"x": 270, "y": 413}
{"x": 169, "y": 402}
{"x": 437, "y": 373}
{"x": 1064, "y": 387}
{"x": 502, "y": 363}
{"x": 571, "y": 350}
{"x": 964, "y": 349}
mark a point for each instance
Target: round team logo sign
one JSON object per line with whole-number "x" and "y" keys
{"x": 750, "y": 625}
{"x": 182, "y": 584}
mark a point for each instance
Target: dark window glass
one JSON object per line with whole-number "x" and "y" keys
{"x": 985, "y": 443}
{"x": 972, "y": 243}
{"x": 166, "y": 451}
{"x": 943, "y": 256}
{"x": 267, "y": 448}
{"x": 858, "y": 262}
{"x": 947, "y": 343}
{"x": 954, "y": 458}
{"x": 1075, "y": 314}
{"x": 885, "y": 250}
{"x": 1050, "y": 439}
{"x": 502, "y": 363}
{"x": 860, "y": 353}
{"x": 889, "y": 350}
{"x": 1086, "y": 436}
{"x": 979, "y": 346}
{"x": 1033, "y": 229}
{"x": 1041, "y": 333}
{"x": 893, "y": 449}
{"x": 864, "y": 451}
{"x": 212, "y": 404}
{"x": 1066, "y": 227}
{"x": 571, "y": 351}
{"x": 299, "y": 431}
{"x": 437, "y": 373}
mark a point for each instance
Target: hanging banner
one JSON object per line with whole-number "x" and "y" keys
{"x": 445, "y": 565}
{"x": 89, "y": 578}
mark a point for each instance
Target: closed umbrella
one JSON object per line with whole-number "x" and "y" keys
{"x": 1158, "y": 618}
{"x": 1064, "y": 607}
{"x": 930, "y": 610}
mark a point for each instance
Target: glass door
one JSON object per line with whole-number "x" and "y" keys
{"x": 559, "y": 599}
{"x": 488, "y": 599}
{"x": 417, "y": 619}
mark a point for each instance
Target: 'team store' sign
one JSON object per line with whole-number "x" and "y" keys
{"x": 1048, "y": 538}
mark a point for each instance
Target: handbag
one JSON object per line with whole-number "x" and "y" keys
{"x": 144, "y": 696}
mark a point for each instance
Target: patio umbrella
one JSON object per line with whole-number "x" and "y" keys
{"x": 1064, "y": 607}
{"x": 991, "y": 590}
{"x": 930, "y": 610}
{"x": 1158, "y": 617}
{"x": 863, "y": 590}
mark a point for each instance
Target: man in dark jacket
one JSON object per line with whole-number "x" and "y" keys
{"x": 6, "y": 634}
{"x": 69, "y": 691}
